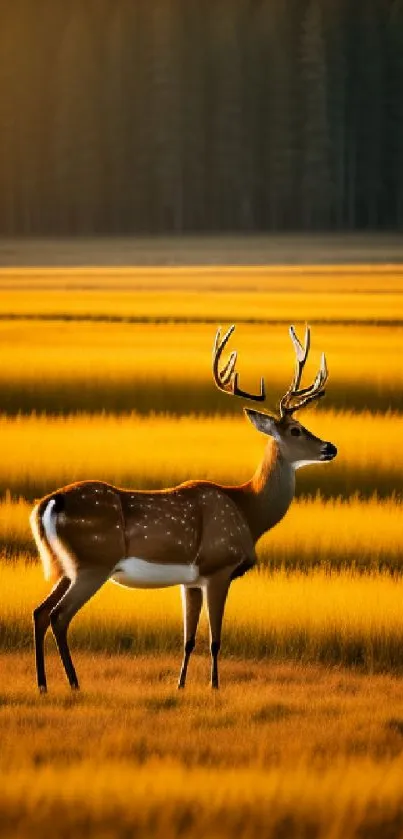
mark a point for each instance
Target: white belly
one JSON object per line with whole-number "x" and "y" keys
{"x": 139, "y": 573}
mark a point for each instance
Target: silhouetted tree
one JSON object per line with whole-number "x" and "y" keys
{"x": 316, "y": 184}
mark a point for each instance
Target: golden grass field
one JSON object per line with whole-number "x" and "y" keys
{"x": 282, "y": 751}
{"x": 173, "y": 294}
{"x": 59, "y": 367}
{"x": 105, "y": 373}
{"x": 41, "y": 452}
{"x": 264, "y": 306}
{"x": 340, "y": 618}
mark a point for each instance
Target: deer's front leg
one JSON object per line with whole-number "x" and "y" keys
{"x": 192, "y": 603}
{"x": 216, "y": 595}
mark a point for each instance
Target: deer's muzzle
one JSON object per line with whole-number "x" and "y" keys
{"x": 329, "y": 451}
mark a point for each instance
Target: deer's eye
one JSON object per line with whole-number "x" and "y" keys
{"x": 295, "y": 431}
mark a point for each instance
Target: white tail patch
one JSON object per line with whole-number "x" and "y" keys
{"x": 44, "y": 552}
{"x": 49, "y": 520}
{"x": 138, "y": 573}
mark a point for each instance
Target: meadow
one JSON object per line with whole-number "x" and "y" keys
{"x": 282, "y": 751}
{"x": 173, "y": 295}
{"x": 338, "y": 619}
{"x": 105, "y": 373}
{"x": 41, "y": 452}
{"x": 72, "y": 366}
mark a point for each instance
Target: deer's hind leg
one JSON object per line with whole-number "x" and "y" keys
{"x": 192, "y": 602}
{"x": 41, "y": 618}
{"x": 85, "y": 585}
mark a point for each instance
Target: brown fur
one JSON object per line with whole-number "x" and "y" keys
{"x": 196, "y": 522}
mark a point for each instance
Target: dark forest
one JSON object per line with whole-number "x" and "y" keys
{"x": 171, "y": 116}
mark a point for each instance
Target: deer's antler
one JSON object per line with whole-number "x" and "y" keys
{"x": 297, "y": 397}
{"x": 227, "y": 378}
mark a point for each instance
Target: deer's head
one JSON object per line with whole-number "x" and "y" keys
{"x": 297, "y": 445}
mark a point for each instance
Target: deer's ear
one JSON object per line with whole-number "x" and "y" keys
{"x": 263, "y": 422}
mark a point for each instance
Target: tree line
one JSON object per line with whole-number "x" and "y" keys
{"x": 135, "y": 116}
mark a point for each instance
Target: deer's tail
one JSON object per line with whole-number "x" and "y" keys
{"x": 43, "y": 521}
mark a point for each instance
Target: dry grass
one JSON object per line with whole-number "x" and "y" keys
{"x": 281, "y": 751}
{"x": 337, "y": 534}
{"x": 284, "y": 751}
{"x": 73, "y": 365}
{"x": 344, "y": 618}
{"x": 350, "y": 295}
{"x": 42, "y": 453}
{"x": 355, "y": 279}
{"x": 76, "y": 351}
{"x": 182, "y": 306}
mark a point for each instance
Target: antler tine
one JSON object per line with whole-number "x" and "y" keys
{"x": 218, "y": 348}
{"x": 301, "y": 353}
{"x": 303, "y": 395}
{"x": 219, "y": 343}
{"x": 227, "y": 378}
{"x": 319, "y": 381}
{"x": 229, "y": 368}
{"x": 317, "y": 389}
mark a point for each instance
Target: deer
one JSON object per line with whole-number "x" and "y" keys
{"x": 200, "y": 535}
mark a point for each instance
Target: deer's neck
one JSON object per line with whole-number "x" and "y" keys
{"x": 265, "y": 499}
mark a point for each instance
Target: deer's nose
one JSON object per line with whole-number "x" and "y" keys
{"x": 329, "y": 451}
